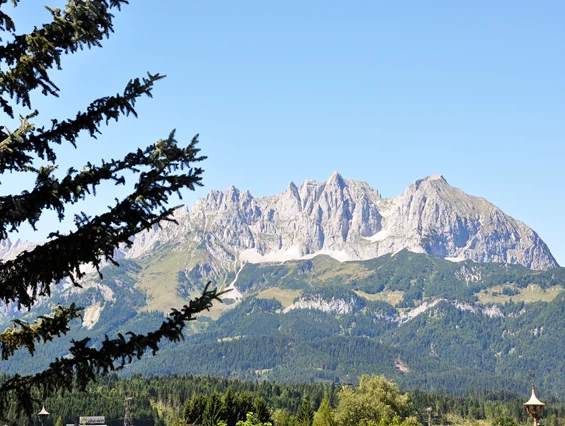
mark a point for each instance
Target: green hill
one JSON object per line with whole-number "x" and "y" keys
{"x": 424, "y": 322}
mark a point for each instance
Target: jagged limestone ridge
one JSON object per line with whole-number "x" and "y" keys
{"x": 349, "y": 220}
{"x": 343, "y": 218}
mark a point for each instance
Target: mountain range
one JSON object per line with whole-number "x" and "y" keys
{"x": 434, "y": 287}
{"x": 345, "y": 219}
{"x": 349, "y": 220}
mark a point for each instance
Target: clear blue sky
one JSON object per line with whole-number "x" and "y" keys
{"x": 384, "y": 92}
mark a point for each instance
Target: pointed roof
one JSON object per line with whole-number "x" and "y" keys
{"x": 534, "y": 399}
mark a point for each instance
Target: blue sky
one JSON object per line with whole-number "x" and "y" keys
{"x": 384, "y": 92}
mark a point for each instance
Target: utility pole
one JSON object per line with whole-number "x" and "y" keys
{"x": 128, "y": 421}
{"x": 429, "y": 410}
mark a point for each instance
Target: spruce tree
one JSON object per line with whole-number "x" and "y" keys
{"x": 261, "y": 410}
{"x": 213, "y": 412}
{"x": 161, "y": 169}
{"x": 229, "y": 407}
{"x": 305, "y": 414}
{"x": 324, "y": 416}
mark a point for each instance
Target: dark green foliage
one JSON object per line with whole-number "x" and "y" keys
{"x": 244, "y": 404}
{"x": 194, "y": 280}
{"x": 251, "y": 317}
{"x": 453, "y": 346}
{"x": 449, "y": 347}
{"x": 261, "y": 410}
{"x": 504, "y": 421}
{"x": 456, "y": 346}
{"x": 107, "y": 396}
{"x": 305, "y": 414}
{"x": 213, "y": 411}
{"x": 24, "y": 335}
{"x": 185, "y": 286}
{"x": 508, "y": 291}
{"x": 87, "y": 362}
{"x": 420, "y": 276}
{"x": 162, "y": 169}
{"x": 194, "y": 409}
{"x": 333, "y": 293}
{"x": 251, "y": 277}
{"x": 230, "y": 409}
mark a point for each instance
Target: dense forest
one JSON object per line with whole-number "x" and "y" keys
{"x": 181, "y": 400}
{"x": 453, "y": 345}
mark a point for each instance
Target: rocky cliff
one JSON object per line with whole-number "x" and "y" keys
{"x": 345, "y": 219}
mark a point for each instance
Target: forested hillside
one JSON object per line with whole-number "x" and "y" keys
{"x": 424, "y": 322}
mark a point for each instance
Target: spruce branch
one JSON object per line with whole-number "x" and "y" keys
{"x": 97, "y": 238}
{"x": 44, "y": 328}
{"x": 28, "y": 57}
{"x": 86, "y": 363}
{"x": 161, "y": 169}
{"x": 52, "y": 193}
{"x": 15, "y": 147}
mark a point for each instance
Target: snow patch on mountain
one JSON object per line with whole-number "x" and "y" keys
{"x": 455, "y": 259}
{"x": 379, "y": 236}
{"x": 253, "y": 256}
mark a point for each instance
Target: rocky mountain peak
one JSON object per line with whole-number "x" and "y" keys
{"x": 432, "y": 178}
{"x": 231, "y": 195}
{"x": 336, "y": 180}
{"x": 432, "y": 182}
{"x": 348, "y": 220}
{"x": 9, "y": 250}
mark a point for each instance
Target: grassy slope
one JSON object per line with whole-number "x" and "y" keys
{"x": 159, "y": 279}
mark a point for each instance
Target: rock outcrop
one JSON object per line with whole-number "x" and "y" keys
{"x": 345, "y": 219}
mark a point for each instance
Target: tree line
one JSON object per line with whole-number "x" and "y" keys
{"x": 212, "y": 401}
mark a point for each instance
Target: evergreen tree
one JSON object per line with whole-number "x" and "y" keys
{"x": 244, "y": 403}
{"x": 305, "y": 414}
{"x": 161, "y": 169}
{"x": 213, "y": 411}
{"x": 261, "y": 410}
{"x": 229, "y": 407}
{"x": 504, "y": 421}
{"x": 194, "y": 408}
{"x": 252, "y": 420}
{"x": 324, "y": 416}
{"x": 282, "y": 418}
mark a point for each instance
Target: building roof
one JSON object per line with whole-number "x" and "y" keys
{"x": 534, "y": 399}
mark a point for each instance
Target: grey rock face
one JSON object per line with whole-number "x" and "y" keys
{"x": 345, "y": 219}
{"x": 349, "y": 220}
{"x": 433, "y": 217}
